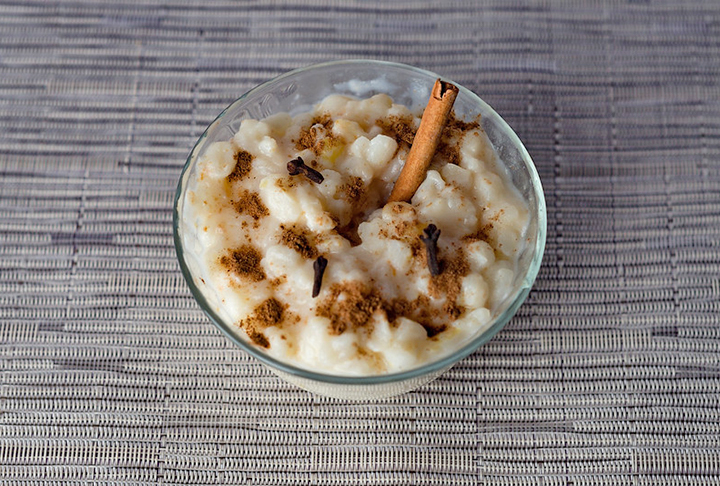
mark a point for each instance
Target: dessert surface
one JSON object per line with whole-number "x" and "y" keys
{"x": 299, "y": 248}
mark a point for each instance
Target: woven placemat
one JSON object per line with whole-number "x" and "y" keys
{"x": 609, "y": 374}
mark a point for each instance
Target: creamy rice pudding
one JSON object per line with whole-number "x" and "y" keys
{"x": 297, "y": 245}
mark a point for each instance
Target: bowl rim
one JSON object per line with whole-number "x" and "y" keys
{"x": 448, "y": 360}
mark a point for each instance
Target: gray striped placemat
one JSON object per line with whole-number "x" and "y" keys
{"x": 609, "y": 374}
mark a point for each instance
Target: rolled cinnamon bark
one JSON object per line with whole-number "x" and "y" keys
{"x": 426, "y": 141}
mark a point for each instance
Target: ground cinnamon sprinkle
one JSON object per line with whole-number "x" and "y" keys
{"x": 453, "y": 133}
{"x": 419, "y": 310}
{"x": 452, "y": 309}
{"x": 449, "y": 150}
{"x": 402, "y": 129}
{"x": 454, "y": 124}
{"x": 402, "y": 229}
{"x": 401, "y": 208}
{"x": 418, "y": 252}
{"x": 353, "y": 190}
{"x": 405, "y": 229}
{"x": 244, "y": 262}
{"x": 349, "y": 305}
{"x": 297, "y": 239}
{"x": 243, "y": 165}
{"x": 449, "y": 282}
{"x": 250, "y": 203}
{"x": 308, "y": 138}
{"x": 278, "y": 281}
{"x": 483, "y": 234}
{"x": 269, "y": 313}
{"x": 498, "y": 215}
{"x": 399, "y": 307}
{"x": 285, "y": 183}
{"x": 259, "y": 339}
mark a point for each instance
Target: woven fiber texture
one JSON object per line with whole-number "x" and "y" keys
{"x": 608, "y": 375}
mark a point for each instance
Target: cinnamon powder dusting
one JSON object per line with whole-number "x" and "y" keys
{"x": 353, "y": 190}
{"x": 285, "y": 183}
{"x": 250, "y": 203}
{"x": 243, "y": 166}
{"x": 278, "y": 281}
{"x": 483, "y": 234}
{"x": 244, "y": 262}
{"x": 419, "y": 310}
{"x": 309, "y": 136}
{"x": 453, "y": 133}
{"x": 308, "y": 139}
{"x": 449, "y": 283}
{"x": 298, "y": 239}
{"x": 449, "y": 150}
{"x": 270, "y": 313}
{"x": 456, "y": 125}
{"x": 402, "y": 129}
{"x": 349, "y": 305}
{"x": 419, "y": 255}
{"x": 259, "y": 339}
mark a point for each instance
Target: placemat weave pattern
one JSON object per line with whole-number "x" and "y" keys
{"x": 609, "y": 374}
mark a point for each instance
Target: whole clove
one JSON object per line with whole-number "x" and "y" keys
{"x": 432, "y": 233}
{"x": 297, "y": 166}
{"x": 319, "y": 266}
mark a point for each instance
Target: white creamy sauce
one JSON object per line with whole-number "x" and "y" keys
{"x": 253, "y": 232}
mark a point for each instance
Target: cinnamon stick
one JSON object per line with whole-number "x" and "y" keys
{"x": 426, "y": 141}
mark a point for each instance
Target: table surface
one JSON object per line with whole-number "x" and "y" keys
{"x": 609, "y": 374}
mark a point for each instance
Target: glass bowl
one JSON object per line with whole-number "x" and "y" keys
{"x": 298, "y": 91}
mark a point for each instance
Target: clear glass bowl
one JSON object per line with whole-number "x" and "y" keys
{"x": 298, "y": 91}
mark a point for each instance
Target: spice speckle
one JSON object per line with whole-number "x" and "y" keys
{"x": 243, "y": 166}
{"x": 349, "y": 305}
{"x": 402, "y": 129}
{"x": 353, "y": 190}
{"x": 250, "y": 203}
{"x": 270, "y": 313}
{"x": 317, "y": 136}
{"x": 244, "y": 262}
{"x": 449, "y": 283}
{"x": 483, "y": 234}
{"x": 298, "y": 239}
